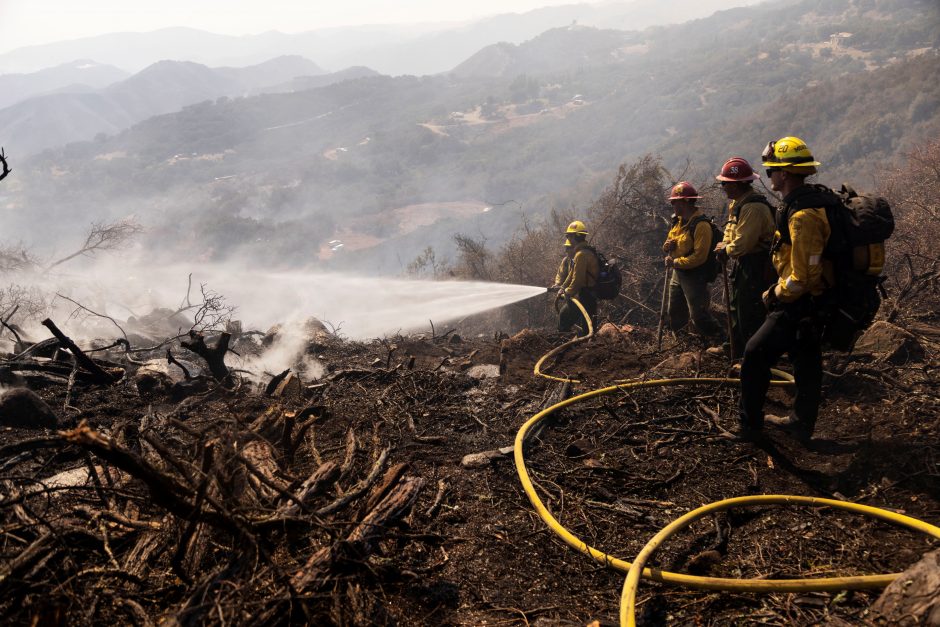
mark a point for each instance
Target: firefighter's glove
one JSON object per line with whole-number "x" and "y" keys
{"x": 669, "y": 262}
{"x": 669, "y": 245}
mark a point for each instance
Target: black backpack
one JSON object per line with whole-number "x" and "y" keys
{"x": 711, "y": 268}
{"x": 859, "y": 225}
{"x": 609, "y": 279}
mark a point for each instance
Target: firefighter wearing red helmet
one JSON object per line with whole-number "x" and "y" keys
{"x": 748, "y": 235}
{"x": 686, "y": 248}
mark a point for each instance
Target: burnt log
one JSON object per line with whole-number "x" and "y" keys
{"x": 100, "y": 375}
{"x": 10, "y": 569}
{"x": 258, "y": 457}
{"x": 362, "y": 540}
{"x": 166, "y": 491}
{"x": 392, "y": 476}
{"x": 914, "y": 597}
{"x": 275, "y": 382}
{"x": 324, "y": 477}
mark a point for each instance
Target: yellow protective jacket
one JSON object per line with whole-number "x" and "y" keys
{"x": 750, "y": 227}
{"x": 797, "y": 256}
{"x": 691, "y": 250}
{"x": 563, "y": 269}
{"x": 584, "y": 270}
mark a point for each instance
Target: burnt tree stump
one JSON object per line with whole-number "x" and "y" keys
{"x": 214, "y": 356}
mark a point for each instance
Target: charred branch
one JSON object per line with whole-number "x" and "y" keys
{"x": 100, "y": 375}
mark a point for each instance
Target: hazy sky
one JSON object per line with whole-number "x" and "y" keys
{"x": 29, "y": 22}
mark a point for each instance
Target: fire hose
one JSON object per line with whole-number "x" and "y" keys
{"x": 637, "y": 569}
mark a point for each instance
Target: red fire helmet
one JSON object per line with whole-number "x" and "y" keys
{"x": 683, "y": 190}
{"x": 737, "y": 169}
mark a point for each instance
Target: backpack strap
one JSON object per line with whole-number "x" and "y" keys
{"x": 693, "y": 224}
{"x": 755, "y": 197}
{"x": 806, "y": 197}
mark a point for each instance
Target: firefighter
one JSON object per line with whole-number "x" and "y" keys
{"x": 564, "y": 267}
{"x": 748, "y": 235}
{"x": 686, "y": 253}
{"x": 793, "y": 302}
{"x": 579, "y": 282}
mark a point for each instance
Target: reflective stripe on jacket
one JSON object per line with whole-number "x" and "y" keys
{"x": 691, "y": 251}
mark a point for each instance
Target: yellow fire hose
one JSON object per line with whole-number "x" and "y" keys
{"x": 637, "y": 569}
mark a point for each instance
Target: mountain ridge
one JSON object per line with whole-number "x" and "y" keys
{"x": 417, "y": 49}
{"x": 82, "y": 73}
{"x": 56, "y": 119}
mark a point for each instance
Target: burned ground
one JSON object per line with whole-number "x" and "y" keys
{"x": 344, "y": 500}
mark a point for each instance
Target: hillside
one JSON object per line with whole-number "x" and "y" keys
{"x": 276, "y": 176}
{"x": 75, "y": 114}
{"x": 82, "y": 74}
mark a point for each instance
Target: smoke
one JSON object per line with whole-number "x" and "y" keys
{"x": 356, "y": 307}
{"x": 352, "y": 307}
{"x": 287, "y": 350}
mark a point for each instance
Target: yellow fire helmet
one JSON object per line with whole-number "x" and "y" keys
{"x": 788, "y": 152}
{"x": 577, "y": 227}
{"x": 568, "y": 243}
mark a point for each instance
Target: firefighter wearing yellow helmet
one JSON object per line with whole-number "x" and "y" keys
{"x": 580, "y": 278}
{"x": 565, "y": 266}
{"x": 577, "y": 228}
{"x": 794, "y": 301}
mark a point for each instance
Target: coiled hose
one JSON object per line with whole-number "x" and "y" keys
{"x": 638, "y": 569}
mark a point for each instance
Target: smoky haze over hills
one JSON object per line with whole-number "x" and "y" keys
{"x": 389, "y": 166}
{"x": 73, "y": 76}
{"x": 390, "y": 49}
{"x": 70, "y": 115}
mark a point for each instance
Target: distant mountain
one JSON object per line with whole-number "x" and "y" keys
{"x": 46, "y": 121}
{"x": 558, "y": 50}
{"x": 301, "y": 83}
{"x": 416, "y": 49}
{"x": 135, "y": 51}
{"x": 54, "y": 120}
{"x": 532, "y": 126}
{"x": 273, "y": 72}
{"x": 129, "y": 51}
{"x": 74, "y": 76}
{"x": 440, "y": 51}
